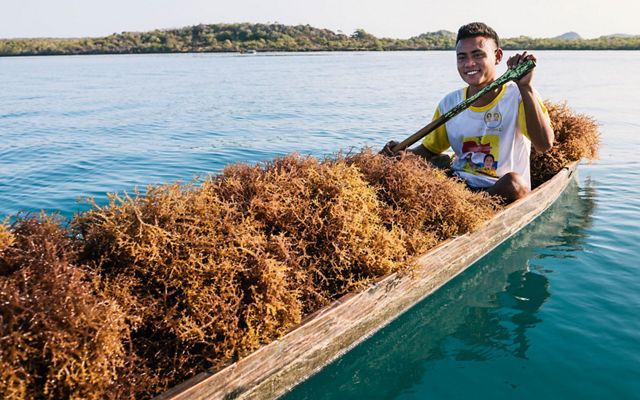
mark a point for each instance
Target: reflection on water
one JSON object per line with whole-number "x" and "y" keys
{"x": 485, "y": 313}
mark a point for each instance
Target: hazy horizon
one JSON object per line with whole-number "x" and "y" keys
{"x": 401, "y": 20}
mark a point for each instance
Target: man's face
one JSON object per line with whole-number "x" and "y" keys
{"x": 477, "y": 60}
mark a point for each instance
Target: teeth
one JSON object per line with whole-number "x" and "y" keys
{"x": 472, "y": 72}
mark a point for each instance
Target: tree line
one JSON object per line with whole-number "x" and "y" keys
{"x": 247, "y": 37}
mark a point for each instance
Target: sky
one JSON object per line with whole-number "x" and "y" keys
{"x": 383, "y": 18}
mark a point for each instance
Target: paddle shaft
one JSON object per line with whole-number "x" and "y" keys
{"x": 512, "y": 74}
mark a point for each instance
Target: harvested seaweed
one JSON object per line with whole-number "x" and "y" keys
{"x": 60, "y": 337}
{"x": 426, "y": 205}
{"x": 576, "y": 138}
{"x": 6, "y": 237}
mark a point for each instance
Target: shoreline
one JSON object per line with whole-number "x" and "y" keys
{"x": 254, "y": 38}
{"x": 273, "y": 52}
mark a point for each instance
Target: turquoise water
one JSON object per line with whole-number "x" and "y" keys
{"x": 542, "y": 316}
{"x": 552, "y": 312}
{"x": 85, "y": 125}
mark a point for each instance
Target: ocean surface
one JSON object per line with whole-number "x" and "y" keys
{"x": 552, "y": 313}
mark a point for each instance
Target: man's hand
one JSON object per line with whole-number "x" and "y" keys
{"x": 387, "y": 150}
{"x": 513, "y": 61}
{"x": 538, "y": 124}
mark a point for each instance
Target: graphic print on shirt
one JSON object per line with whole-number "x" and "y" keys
{"x": 479, "y": 155}
{"x": 493, "y": 119}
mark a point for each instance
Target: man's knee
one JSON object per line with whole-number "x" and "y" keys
{"x": 517, "y": 182}
{"x": 510, "y": 187}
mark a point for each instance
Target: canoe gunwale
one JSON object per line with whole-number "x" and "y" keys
{"x": 325, "y": 335}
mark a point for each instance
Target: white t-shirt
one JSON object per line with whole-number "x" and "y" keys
{"x": 488, "y": 141}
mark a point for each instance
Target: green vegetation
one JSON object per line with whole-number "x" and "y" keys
{"x": 601, "y": 43}
{"x": 277, "y": 37}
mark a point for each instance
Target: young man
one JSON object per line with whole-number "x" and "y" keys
{"x": 503, "y": 123}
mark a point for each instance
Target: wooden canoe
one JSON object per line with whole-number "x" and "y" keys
{"x": 277, "y": 367}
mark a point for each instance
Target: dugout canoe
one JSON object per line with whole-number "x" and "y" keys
{"x": 322, "y": 337}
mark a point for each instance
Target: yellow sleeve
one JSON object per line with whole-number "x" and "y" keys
{"x": 522, "y": 120}
{"x": 438, "y": 140}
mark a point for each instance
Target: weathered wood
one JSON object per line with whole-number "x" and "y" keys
{"x": 274, "y": 369}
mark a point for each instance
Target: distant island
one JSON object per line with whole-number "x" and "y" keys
{"x": 568, "y": 36}
{"x": 249, "y": 38}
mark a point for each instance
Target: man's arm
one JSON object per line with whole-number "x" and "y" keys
{"x": 538, "y": 125}
{"x": 423, "y": 152}
{"x": 442, "y": 161}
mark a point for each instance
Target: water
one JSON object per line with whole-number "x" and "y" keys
{"x": 88, "y": 125}
{"x": 548, "y": 314}
{"x": 551, "y": 313}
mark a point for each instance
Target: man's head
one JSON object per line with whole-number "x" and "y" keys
{"x": 478, "y": 53}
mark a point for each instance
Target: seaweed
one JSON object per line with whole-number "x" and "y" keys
{"x": 59, "y": 336}
{"x": 576, "y": 137}
{"x": 421, "y": 200}
{"x": 192, "y": 272}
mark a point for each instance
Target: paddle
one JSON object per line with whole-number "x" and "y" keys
{"x": 512, "y": 74}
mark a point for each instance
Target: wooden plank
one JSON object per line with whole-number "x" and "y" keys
{"x": 275, "y": 368}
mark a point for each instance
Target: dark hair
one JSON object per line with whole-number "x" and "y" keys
{"x": 476, "y": 29}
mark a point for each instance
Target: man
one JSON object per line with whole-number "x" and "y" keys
{"x": 503, "y": 123}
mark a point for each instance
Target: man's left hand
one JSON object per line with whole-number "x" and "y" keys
{"x": 518, "y": 59}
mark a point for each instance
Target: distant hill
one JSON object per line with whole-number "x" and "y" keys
{"x": 618, "y": 35}
{"x": 568, "y": 36}
{"x": 443, "y": 33}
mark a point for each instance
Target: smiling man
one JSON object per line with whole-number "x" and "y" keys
{"x": 504, "y": 123}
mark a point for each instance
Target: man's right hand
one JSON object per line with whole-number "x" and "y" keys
{"x": 387, "y": 150}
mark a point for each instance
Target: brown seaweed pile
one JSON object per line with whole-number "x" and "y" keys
{"x": 146, "y": 291}
{"x": 425, "y": 204}
{"x": 6, "y": 237}
{"x": 192, "y": 273}
{"x": 576, "y": 137}
{"x": 60, "y": 337}
{"x": 208, "y": 274}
